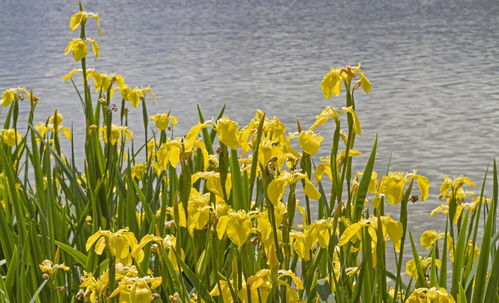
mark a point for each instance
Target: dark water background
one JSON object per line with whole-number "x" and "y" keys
{"x": 434, "y": 66}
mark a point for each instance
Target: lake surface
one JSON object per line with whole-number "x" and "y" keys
{"x": 434, "y": 66}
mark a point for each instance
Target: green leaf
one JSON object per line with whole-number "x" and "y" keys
{"x": 421, "y": 282}
{"x": 461, "y": 297}
{"x": 364, "y": 183}
{"x": 37, "y": 292}
{"x": 10, "y": 278}
{"x": 79, "y": 257}
{"x": 459, "y": 255}
{"x": 483, "y": 261}
{"x": 206, "y": 137}
{"x": 198, "y": 284}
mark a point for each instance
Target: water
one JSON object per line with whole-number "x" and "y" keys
{"x": 434, "y": 66}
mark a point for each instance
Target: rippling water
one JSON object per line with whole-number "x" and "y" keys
{"x": 434, "y": 66}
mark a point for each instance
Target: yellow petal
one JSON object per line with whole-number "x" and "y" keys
{"x": 79, "y": 49}
{"x": 349, "y": 233}
{"x": 97, "y": 19}
{"x": 275, "y": 190}
{"x": 355, "y": 119}
{"x": 365, "y": 83}
{"x": 95, "y": 48}
{"x": 8, "y": 97}
{"x": 428, "y": 237}
{"x": 143, "y": 242}
{"x": 310, "y": 141}
{"x": 76, "y": 20}
{"x": 227, "y": 131}
{"x": 91, "y": 240}
{"x": 191, "y": 136}
{"x": 395, "y": 230}
{"x": 71, "y": 73}
{"x": 222, "y": 226}
{"x": 322, "y": 169}
{"x": 99, "y": 247}
{"x": 292, "y": 275}
{"x": 311, "y": 191}
{"x": 424, "y": 187}
{"x": 239, "y": 228}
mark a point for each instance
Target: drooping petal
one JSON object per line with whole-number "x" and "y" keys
{"x": 275, "y": 190}
{"x": 365, "y": 83}
{"x": 350, "y": 232}
{"x": 311, "y": 191}
{"x": 75, "y": 20}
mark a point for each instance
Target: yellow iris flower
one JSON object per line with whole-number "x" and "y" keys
{"x": 138, "y": 170}
{"x": 317, "y": 232}
{"x": 426, "y": 295}
{"x": 10, "y": 136}
{"x": 78, "y": 47}
{"x": 227, "y": 131}
{"x": 43, "y": 128}
{"x": 391, "y": 229}
{"x": 236, "y": 225}
{"x": 450, "y": 186}
{"x": 164, "y": 120}
{"x": 310, "y": 142}
{"x": 137, "y": 290}
{"x": 260, "y": 286}
{"x": 266, "y": 237}
{"x": 47, "y": 266}
{"x": 330, "y": 112}
{"x": 169, "y": 153}
{"x": 105, "y": 81}
{"x": 12, "y": 94}
{"x": 120, "y": 244}
{"x": 302, "y": 243}
{"x": 213, "y": 182}
{"x": 80, "y": 18}
{"x": 277, "y": 187}
{"x": 222, "y": 288}
{"x": 320, "y": 231}
{"x": 198, "y": 211}
{"x": 335, "y": 78}
{"x": 137, "y": 94}
{"x": 102, "y": 82}
{"x": 117, "y": 132}
{"x": 429, "y": 237}
{"x": 392, "y": 186}
{"x": 412, "y": 270}
{"x": 168, "y": 243}
{"x": 261, "y": 283}
{"x": 95, "y": 289}
{"x": 192, "y": 135}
